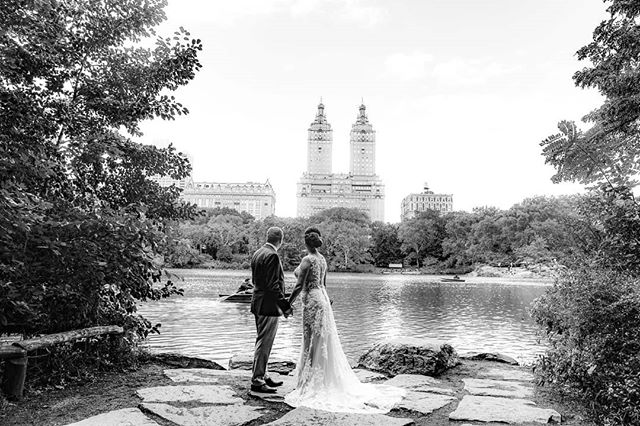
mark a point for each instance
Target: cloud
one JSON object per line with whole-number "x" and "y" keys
{"x": 360, "y": 11}
{"x": 407, "y": 66}
{"x": 465, "y": 72}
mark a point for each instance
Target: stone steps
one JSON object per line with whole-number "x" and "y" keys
{"x": 201, "y": 396}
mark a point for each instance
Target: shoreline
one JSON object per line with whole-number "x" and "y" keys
{"x": 117, "y": 390}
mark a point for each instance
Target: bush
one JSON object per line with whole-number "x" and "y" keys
{"x": 591, "y": 317}
{"x": 225, "y": 254}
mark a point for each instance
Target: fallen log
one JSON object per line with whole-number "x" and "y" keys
{"x": 67, "y": 336}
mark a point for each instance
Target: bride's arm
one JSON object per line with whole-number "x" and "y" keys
{"x": 324, "y": 282}
{"x": 302, "y": 278}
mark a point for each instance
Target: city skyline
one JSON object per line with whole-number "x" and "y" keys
{"x": 461, "y": 93}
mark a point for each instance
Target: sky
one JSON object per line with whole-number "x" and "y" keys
{"x": 460, "y": 92}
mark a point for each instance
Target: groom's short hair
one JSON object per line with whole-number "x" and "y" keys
{"x": 274, "y": 235}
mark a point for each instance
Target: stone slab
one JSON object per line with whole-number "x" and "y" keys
{"x": 492, "y": 409}
{"x": 289, "y": 384}
{"x": 490, "y": 356}
{"x": 202, "y": 375}
{"x": 225, "y": 415}
{"x": 509, "y": 373}
{"x": 424, "y": 402}
{"x": 209, "y": 394}
{"x": 366, "y": 376}
{"x": 184, "y": 361}
{"x": 275, "y": 364}
{"x": 309, "y": 417}
{"x": 504, "y": 388}
{"x": 123, "y": 417}
{"x": 419, "y": 383}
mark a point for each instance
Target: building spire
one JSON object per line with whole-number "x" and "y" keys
{"x": 320, "y": 117}
{"x": 362, "y": 114}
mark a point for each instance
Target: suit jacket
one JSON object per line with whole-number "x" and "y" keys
{"x": 268, "y": 283}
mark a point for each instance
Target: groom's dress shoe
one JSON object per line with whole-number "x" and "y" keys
{"x": 263, "y": 388}
{"x": 272, "y": 383}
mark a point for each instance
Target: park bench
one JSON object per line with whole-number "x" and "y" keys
{"x": 16, "y": 354}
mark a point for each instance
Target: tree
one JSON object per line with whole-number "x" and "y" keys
{"x": 591, "y": 314}
{"x": 337, "y": 214}
{"x": 346, "y": 244}
{"x": 458, "y": 238}
{"x": 423, "y": 235}
{"x": 385, "y": 248}
{"x": 82, "y": 222}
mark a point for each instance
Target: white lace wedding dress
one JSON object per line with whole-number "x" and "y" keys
{"x": 325, "y": 380}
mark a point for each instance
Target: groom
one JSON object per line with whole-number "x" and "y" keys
{"x": 267, "y": 304}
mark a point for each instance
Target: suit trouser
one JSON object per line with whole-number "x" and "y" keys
{"x": 266, "y": 328}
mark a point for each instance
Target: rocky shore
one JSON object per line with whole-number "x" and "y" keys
{"x": 442, "y": 388}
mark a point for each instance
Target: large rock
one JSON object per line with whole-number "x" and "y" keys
{"x": 309, "y": 417}
{"x": 123, "y": 417}
{"x": 410, "y": 356}
{"x": 275, "y": 365}
{"x": 225, "y": 415}
{"x": 502, "y": 410}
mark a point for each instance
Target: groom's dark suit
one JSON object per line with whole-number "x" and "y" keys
{"x": 268, "y": 283}
{"x": 267, "y": 304}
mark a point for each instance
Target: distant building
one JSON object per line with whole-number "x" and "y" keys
{"x": 320, "y": 188}
{"x": 167, "y": 181}
{"x": 257, "y": 199}
{"x": 426, "y": 200}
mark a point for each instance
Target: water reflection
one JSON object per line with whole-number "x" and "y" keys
{"x": 481, "y": 314}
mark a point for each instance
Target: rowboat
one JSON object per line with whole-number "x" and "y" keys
{"x": 452, "y": 280}
{"x": 240, "y": 297}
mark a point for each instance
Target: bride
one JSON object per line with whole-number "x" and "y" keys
{"x": 325, "y": 381}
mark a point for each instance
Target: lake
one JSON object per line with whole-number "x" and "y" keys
{"x": 481, "y": 314}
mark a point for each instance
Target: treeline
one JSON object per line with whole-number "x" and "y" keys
{"x": 537, "y": 230}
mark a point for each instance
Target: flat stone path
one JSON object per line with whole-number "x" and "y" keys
{"x": 198, "y": 396}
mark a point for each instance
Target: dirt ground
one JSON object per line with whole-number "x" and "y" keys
{"x": 115, "y": 390}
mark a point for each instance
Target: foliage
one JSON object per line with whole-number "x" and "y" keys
{"x": 591, "y": 316}
{"x": 538, "y": 230}
{"x": 592, "y": 319}
{"x": 82, "y": 222}
{"x": 386, "y": 247}
{"x": 423, "y": 235}
{"x": 225, "y": 254}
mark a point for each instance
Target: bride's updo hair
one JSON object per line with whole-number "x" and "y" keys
{"x": 313, "y": 237}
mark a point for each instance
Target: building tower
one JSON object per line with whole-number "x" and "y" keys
{"x": 363, "y": 146}
{"x": 320, "y": 141}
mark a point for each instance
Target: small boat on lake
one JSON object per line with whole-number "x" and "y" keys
{"x": 240, "y": 297}
{"x": 455, "y": 279}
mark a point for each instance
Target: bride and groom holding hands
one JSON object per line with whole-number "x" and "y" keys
{"x": 325, "y": 379}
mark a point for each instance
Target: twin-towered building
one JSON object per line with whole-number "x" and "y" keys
{"x": 320, "y": 188}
